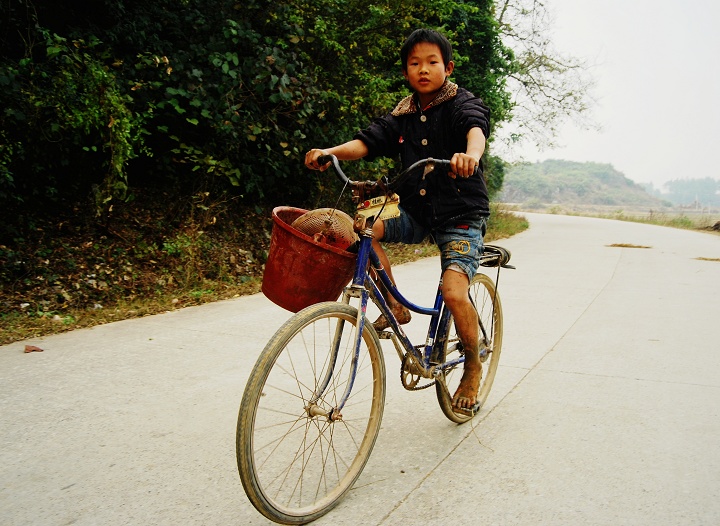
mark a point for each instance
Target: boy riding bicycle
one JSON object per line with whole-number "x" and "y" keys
{"x": 443, "y": 121}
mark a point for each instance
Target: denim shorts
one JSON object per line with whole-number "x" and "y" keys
{"x": 460, "y": 241}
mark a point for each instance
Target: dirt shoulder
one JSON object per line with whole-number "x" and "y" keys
{"x": 157, "y": 253}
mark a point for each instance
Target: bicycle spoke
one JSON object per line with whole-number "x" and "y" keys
{"x": 294, "y": 458}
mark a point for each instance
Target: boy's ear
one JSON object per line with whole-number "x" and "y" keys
{"x": 449, "y": 68}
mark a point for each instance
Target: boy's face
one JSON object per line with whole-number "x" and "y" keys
{"x": 426, "y": 72}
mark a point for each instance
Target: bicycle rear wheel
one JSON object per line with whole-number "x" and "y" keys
{"x": 295, "y": 462}
{"x": 487, "y": 303}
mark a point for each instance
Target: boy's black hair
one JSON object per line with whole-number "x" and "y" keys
{"x": 426, "y": 35}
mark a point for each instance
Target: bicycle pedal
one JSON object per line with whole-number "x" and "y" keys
{"x": 469, "y": 412}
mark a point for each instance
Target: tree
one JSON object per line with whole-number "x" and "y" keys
{"x": 548, "y": 86}
{"x": 694, "y": 192}
{"x": 100, "y": 99}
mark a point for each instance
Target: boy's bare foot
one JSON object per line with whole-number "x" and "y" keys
{"x": 466, "y": 394}
{"x": 402, "y": 315}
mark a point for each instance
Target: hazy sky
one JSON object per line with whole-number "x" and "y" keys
{"x": 657, "y": 67}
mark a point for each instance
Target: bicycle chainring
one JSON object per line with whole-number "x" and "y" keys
{"x": 409, "y": 376}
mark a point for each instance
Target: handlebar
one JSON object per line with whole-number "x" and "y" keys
{"x": 324, "y": 159}
{"x": 493, "y": 255}
{"x": 389, "y": 185}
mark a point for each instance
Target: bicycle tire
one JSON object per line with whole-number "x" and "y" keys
{"x": 487, "y": 303}
{"x": 294, "y": 466}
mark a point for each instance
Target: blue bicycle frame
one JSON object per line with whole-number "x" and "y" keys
{"x": 365, "y": 288}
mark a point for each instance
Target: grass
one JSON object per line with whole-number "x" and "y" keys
{"x": 178, "y": 281}
{"x": 16, "y": 326}
{"x": 674, "y": 220}
{"x": 688, "y": 220}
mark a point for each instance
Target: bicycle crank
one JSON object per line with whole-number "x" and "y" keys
{"x": 411, "y": 373}
{"x": 485, "y": 353}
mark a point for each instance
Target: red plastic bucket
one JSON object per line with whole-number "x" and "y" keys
{"x": 300, "y": 271}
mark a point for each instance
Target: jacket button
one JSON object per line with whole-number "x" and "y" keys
{"x": 423, "y": 118}
{"x": 424, "y": 142}
{"x": 423, "y": 191}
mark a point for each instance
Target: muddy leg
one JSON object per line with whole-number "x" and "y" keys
{"x": 466, "y": 394}
{"x": 455, "y": 292}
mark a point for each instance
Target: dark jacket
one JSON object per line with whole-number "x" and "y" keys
{"x": 438, "y": 131}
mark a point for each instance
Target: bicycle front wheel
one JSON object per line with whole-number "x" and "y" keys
{"x": 295, "y": 457}
{"x": 490, "y": 320}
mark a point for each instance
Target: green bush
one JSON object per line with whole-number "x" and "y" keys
{"x": 218, "y": 93}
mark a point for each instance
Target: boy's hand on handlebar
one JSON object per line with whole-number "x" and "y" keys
{"x": 463, "y": 165}
{"x": 311, "y": 159}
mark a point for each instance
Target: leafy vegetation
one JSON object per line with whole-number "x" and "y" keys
{"x": 152, "y": 261}
{"x": 172, "y": 93}
{"x": 548, "y": 86}
{"x": 142, "y": 144}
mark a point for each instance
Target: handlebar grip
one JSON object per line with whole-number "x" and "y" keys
{"x": 324, "y": 159}
{"x": 442, "y": 163}
{"x": 445, "y": 163}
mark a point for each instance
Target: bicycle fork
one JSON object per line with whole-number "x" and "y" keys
{"x": 335, "y": 414}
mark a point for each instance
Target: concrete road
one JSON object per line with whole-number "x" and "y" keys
{"x": 604, "y": 410}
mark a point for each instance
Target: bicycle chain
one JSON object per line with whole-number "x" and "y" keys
{"x": 416, "y": 378}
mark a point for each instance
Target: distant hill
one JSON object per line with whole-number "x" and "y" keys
{"x": 567, "y": 183}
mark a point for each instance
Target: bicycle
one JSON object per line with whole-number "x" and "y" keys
{"x": 312, "y": 406}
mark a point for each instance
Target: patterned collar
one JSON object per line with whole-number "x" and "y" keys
{"x": 409, "y": 105}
